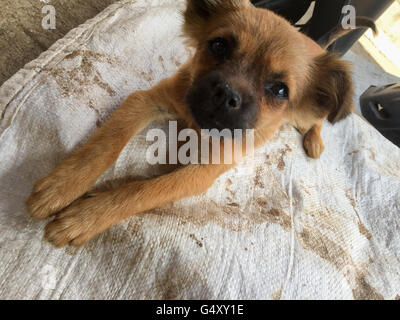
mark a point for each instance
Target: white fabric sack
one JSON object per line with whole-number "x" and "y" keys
{"x": 278, "y": 226}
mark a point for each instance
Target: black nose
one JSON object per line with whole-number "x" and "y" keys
{"x": 225, "y": 96}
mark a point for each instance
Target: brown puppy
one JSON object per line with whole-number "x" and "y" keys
{"x": 250, "y": 69}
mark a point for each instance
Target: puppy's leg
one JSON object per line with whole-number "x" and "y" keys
{"x": 310, "y": 125}
{"x": 88, "y": 217}
{"x": 312, "y": 142}
{"x": 79, "y": 172}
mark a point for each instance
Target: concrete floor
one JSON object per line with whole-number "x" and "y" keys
{"x": 22, "y": 37}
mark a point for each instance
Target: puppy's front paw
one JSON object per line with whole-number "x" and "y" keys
{"x": 313, "y": 144}
{"x": 78, "y": 223}
{"x": 50, "y": 195}
{"x": 45, "y": 198}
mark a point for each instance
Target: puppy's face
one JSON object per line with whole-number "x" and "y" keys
{"x": 250, "y": 66}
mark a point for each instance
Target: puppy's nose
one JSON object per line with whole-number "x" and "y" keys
{"x": 226, "y": 96}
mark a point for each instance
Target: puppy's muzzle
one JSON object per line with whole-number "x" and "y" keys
{"x": 226, "y": 97}
{"x": 217, "y": 103}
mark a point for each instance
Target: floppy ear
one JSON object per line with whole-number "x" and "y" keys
{"x": 200, "y": 12}
{"x": 332, "y": 87}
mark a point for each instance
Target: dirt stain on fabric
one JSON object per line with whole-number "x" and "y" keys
{"x": 278, "y": 158}
{"x": 312, "y": 239}
{"x": 228, "y": 216}
{"x": 277, "y": 295}
{"x": 147, "y": 76}
{"x": 72, "y": 251}
{"x": 282, "y": 154}
{"x": 198, "y": 242}
{"x": 372, "y": 154}
{"x": 278, "y": 217}
{"x": 258, "y": 179}
{"x": 228, "y": 184}
{"x": 361, "y": 227}
{"x": 99, "y": 120}
{"x": 353, "y": 152}
{"x": 75, "y": 81}
{"x": 176, "y": 62}
{"x": 161, "y": 60}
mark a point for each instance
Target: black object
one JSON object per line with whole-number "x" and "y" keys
{"x": 326, "y": 17}
{"x": 381, "y": 107}
{"x": 321, "y": 20}
{"x": 292, "y": 10}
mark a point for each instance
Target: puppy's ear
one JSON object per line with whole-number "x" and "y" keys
{"x": 332, "y": 87}
{"x": 200, "y": 12}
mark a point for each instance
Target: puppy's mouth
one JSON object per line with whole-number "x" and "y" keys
{"x": 209, "y": 121}
{"x": 215, "y": 104}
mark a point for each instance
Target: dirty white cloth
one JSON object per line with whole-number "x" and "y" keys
{"x": 279, "y": 226}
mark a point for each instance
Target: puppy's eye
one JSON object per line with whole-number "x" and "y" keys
{"x": 219, "y": 47}
{"x": 278, "y": 90}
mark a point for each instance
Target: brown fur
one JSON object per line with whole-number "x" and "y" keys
{"x": 267, "y": 47}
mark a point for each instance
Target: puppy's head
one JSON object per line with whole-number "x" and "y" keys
{"x": 251, "y": 67}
